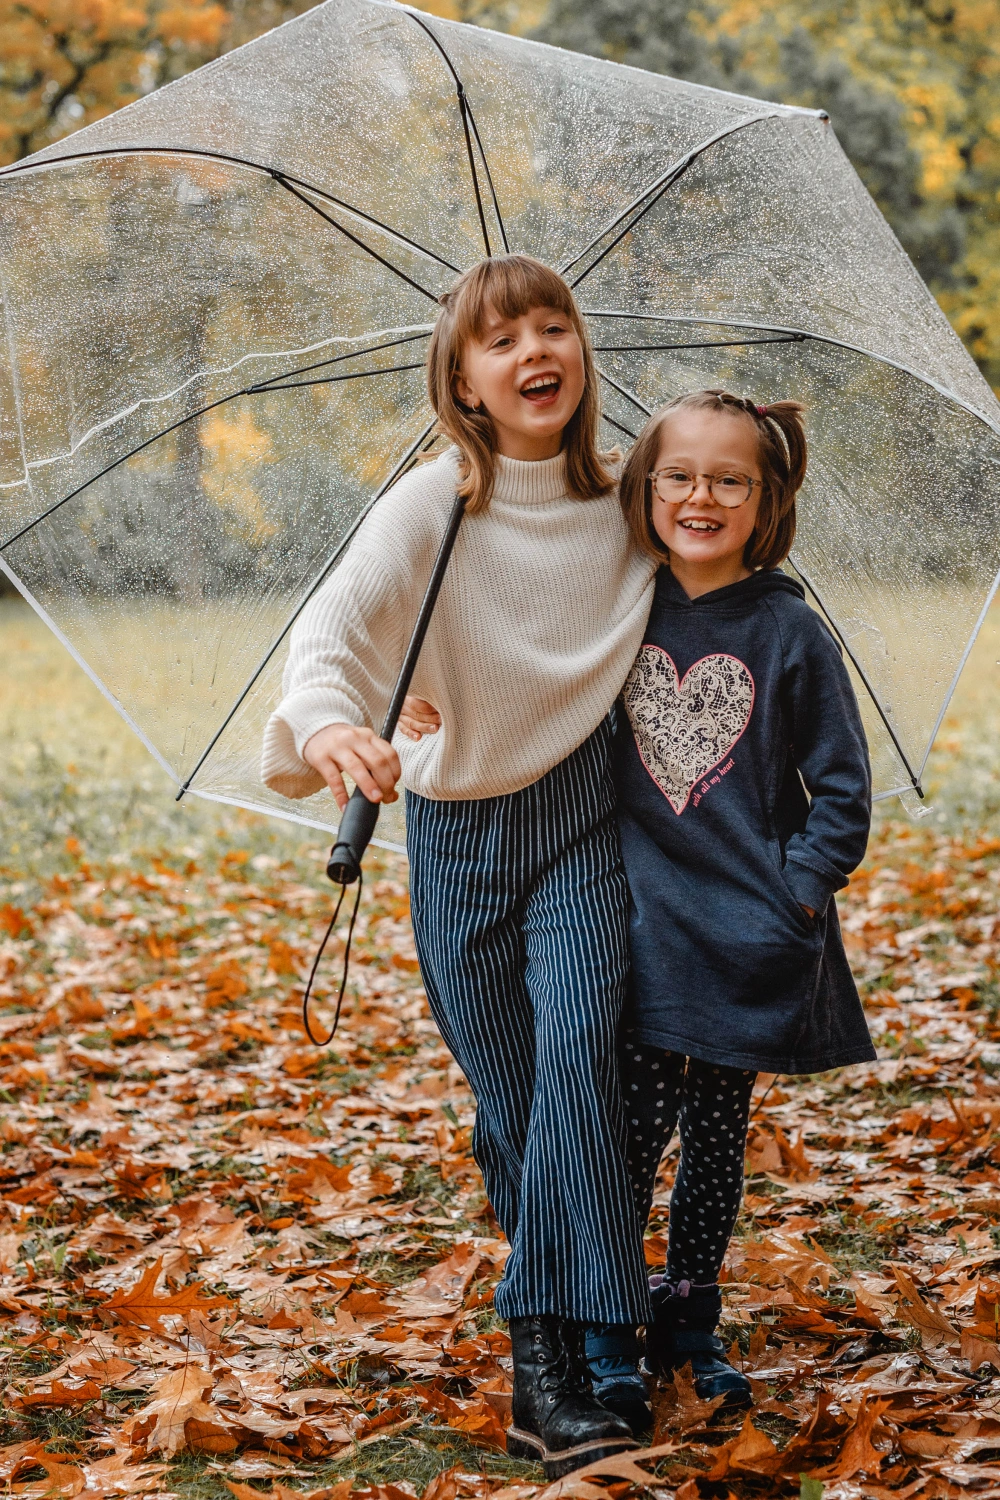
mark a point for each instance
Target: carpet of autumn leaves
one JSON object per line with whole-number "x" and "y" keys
{"x": 229, "y": 1258}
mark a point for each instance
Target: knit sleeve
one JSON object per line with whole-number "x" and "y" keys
{"x": 831, "y": 753}
{"x": 343, "y": 658}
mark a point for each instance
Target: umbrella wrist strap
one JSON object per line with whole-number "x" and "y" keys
{"x": 325, "y": 1041}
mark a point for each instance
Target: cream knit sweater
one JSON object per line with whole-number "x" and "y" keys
{"x": 540, "y": 616}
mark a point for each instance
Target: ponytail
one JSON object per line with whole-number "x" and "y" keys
{"x": 784, "y": 454}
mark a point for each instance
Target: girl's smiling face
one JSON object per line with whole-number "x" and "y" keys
{"x": 706, "y": 539}
{"x": 528, "y": 373}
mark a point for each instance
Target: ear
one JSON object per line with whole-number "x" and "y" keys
{"x": 465, "y": 393}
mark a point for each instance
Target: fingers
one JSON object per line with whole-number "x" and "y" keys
{"x": 418, "y": 717}
{"x": 413, "y": 729}
{"x": 382, "y": 763}
{"x": 374, "y": 766}
{"x": 371, "y": 762}
{"x": 334, "y": 780}
{"x": 359, "y": 773}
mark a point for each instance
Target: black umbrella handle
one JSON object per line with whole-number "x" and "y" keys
{"x": 360, "y": 816}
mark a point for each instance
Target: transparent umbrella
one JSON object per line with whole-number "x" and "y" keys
{"x": 216, "y": 311}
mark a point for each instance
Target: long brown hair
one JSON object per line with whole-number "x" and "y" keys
{"x": 510, "y": 285}
{"x": 782, "y": 451}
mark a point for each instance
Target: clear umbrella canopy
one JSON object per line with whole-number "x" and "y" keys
{"x": 217, "y": 304}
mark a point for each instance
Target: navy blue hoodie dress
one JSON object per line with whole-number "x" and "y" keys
{"x": 739, "y": 702}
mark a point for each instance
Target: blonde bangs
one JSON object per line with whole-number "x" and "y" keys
{"x": 510, "y": 286}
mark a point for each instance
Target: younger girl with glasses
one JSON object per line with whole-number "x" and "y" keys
{"x": 744, "y": 803}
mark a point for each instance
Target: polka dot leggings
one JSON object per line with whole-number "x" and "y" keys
{"x": 713, "y": 1106}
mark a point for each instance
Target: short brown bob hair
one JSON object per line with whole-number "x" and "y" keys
{"x": 510, "y": 285}
{"x": 782, "y": 453}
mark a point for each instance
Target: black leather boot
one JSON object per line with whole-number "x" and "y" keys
{"x": 613, "y": 1361}
{"x": 682, "y": 1332}
{"x": 555, "y": 1418}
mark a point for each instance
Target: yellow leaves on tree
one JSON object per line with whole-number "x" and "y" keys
{"x": 941, "y": 66}
{"x": 236, "y": 446}
{"x": 192, "y": 26}
{"x": 64, "y": 63}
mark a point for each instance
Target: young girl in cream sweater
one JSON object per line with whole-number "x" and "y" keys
{"x": 517, "y": 892}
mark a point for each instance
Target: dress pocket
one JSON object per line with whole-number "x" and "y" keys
{"x": 803, "y": 920}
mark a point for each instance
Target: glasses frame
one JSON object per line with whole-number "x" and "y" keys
{"x": 654, "y": 474}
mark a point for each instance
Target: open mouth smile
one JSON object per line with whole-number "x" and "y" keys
{"x": 700, "y": 525}
{"x": 542, "y": 390}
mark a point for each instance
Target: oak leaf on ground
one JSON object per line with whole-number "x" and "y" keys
{"x": 750, "y": 1452}
{"x": 143, "y": 1307}
{"x": 859, "y": 1454}
{"x": 934, "y": 1328}
{"x": 179, "y": 1417}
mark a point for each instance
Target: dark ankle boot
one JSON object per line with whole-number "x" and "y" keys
{"x": 613, "y": 1362}
{"x": 682, "y": 1332}
{"x": 555, "y": 1418}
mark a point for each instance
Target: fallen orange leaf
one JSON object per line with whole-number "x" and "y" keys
{"x": 144, "y": 1308}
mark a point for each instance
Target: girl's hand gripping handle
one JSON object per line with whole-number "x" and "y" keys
{"x": 369, "y": 760}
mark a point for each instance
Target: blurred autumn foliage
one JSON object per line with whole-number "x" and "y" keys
{"x": 911, "y": 87}
{"x": 65, "y": 63}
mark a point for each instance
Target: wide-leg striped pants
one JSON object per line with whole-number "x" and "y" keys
{"x": 519, "y": 915}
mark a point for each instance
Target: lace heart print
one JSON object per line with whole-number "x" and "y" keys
{"x": 684, "y": 727}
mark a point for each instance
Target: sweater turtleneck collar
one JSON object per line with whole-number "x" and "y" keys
{"x": 527, "y": 482}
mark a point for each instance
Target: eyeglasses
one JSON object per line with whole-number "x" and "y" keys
{"x": 677, "y": 485}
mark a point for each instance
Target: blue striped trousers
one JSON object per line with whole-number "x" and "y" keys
{"x": 519, "y": 915}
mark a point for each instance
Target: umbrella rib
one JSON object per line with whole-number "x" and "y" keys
{"x": 656, "y": 189}
{"x": 408, "y": 459}
{"x": 960, "y": 669}
{"x": 240, "y": 161}
{"x": 621, "y": 427}
{"x": 914, "y": 777}
{"x": 465, "y": 110}
{"x": 302, "y": 385}
{"x": 623, "y": 391}
{"x": 793, "y": 338}
{"x": 329, "y": 219}
{"x": 44, "y": 515}
{"x": 262, "y": 389}
{"x": 407, "y": 338}
{"x": 489, "y": 178}
{"x": 800, "y": 333}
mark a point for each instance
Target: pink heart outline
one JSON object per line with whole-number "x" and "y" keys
{"x": 673, "y": 781}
